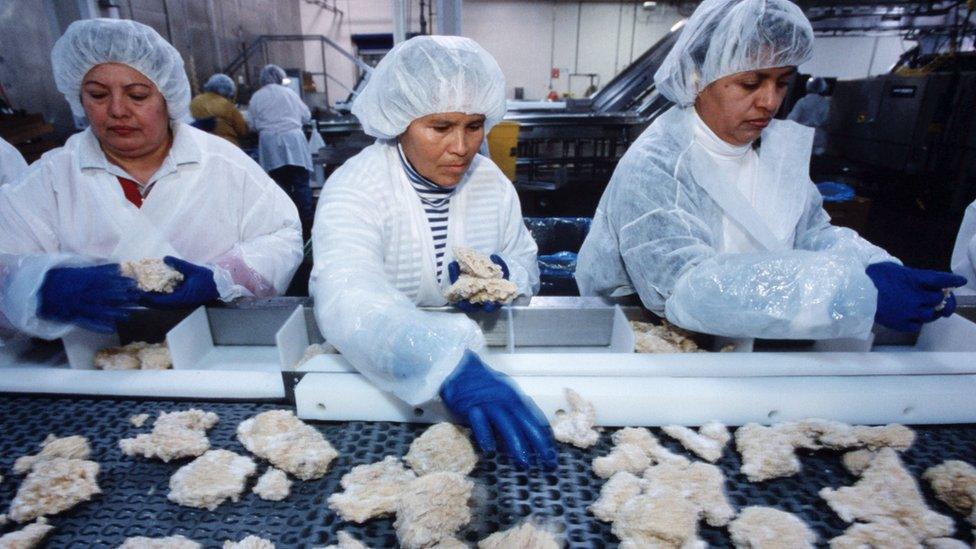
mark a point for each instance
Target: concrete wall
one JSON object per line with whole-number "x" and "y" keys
{"x": 208, "y": 33}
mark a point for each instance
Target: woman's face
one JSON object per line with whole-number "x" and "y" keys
{"x": 738, "y": 107}
{"x": 441, "y": 146}
{"x": 127, "y": 112}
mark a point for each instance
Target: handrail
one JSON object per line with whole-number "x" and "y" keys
{"x": 258, "y": 42}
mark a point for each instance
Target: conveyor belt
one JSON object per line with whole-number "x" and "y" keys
{"x": 134, "y": 499}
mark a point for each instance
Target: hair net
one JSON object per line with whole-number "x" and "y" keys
{"x": 221, "y": 84}
{"x": 427, "y": 75}
{"x": 816, "y": 85}
{"x": 272, "y": 74}
{"x": 725, "y": 37}
{"x": 91, "y": 42}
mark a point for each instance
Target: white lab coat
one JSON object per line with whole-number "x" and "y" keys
{"x": 658, "y": 232}
{"x": 278, "y": 113}
{"x": 208, "y": 204}
{"x": 12, "y": 164}
{"x": 964, "y": 252}
{"x": 375, "y": 262}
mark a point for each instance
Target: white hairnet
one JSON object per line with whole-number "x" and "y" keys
{"x": 428, "y": 75}
{"x": 816, "y": 85}
{"x": 221, "y": 84}
{"x": 272, "y": 74}
{"x": 725, "y": 37}
{"x": 91, "y": 42}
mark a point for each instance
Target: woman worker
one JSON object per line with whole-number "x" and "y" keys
{"x": 711, "y": 217}
{"x": 385, "y": 230}
{"x": 216, "y": 103}
{"x": 136, "y": 184}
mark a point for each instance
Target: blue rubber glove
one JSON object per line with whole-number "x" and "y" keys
{"x": 454, "y": 271}
{"x": 95, "y": 298}
{"x": 197, "y": 288}
{"x": 494, "y": 408}
{"x": 908, "y": 298}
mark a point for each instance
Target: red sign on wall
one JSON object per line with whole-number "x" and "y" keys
{"x": 555, "y": 73}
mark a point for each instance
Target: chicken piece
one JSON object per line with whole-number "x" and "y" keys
{"x": 118, "y": 358}
{"x": 73, "y": 447}
{"x": 662, "y": 519}
{"x": 273, "y": 485}
{"x": 954, "y": 482}
{"x": 623, "y": 457}
{"x": 250, "y": 542}
{"x": 53, "y": 486}
{"x": 666, "y": 338}
{"x": 648, "y": 443}
{"x": 576, "y": 426}
{"x": 28, "y": 537}
{"x": 442, "y": 447}
{"x": 175, "y": 435}
{"x": 838, "y": 436}
{"x": 155, "y": 356}
{"x": 371, "y": 490}
{"x": 617, "y": 491}
{"x": 945, "y": 543}
{"x": 477, "y": 265}
{"x": 432, "y": 508}
{"x": 211, "y": 479}
{"x": 708, "y": 443}
{"x": 702, "y": 484}
{"x": 885, "y": 534}
{"x": 856, "y": 461}
{"x": 481, "y": 290}
{"x": 314, "y": 350}
{"x": 170, "y": 542}
{"x": 526, "y": 536}
{"x": 887, "y": 491}
{"x": 138, "y": 420}
{"x": 152, "y": 275}
{"x": 768, "y": 528}
{"x": 346, "y": 541}
{"x": 449, "y": 543}
{"x": 287, "y": 442}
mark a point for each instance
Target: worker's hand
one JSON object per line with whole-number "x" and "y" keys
{"x": 490, "y": 403}
{"x": 908, "y": 298}
{"x": 454, "y": 272}
{"x": 95, "y": 298}
{"x": 197, "y": 288}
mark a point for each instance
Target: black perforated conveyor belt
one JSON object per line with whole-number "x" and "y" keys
{"x": 134, "y": 501}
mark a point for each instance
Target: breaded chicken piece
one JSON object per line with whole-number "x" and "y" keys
{"x": 661, "y": 519}
{"x": 666, "y": 338}
{"x": 449, "y": 543}
{"x": 152, "y": 275}
{"x": 708, "y": 443}
{"x": 525, "y": 536}
{"x": 954, "y": 482}
{"x": 28, "y": 537}
{"x": 623, "y": 457}
{"x": 839, "y": 436}
{"x": 887, "y": 490}
{"x": 702, "y": 484}
{"x": 621, "y": 488}
{"x": 211, "y": 479}
{"x": 481, "y": 290}
{"x": 432, "y": 508}
{"x": 856, "y": 461}
{"x": 314, "y": 350}
{"x": 53, "y": 486}
{"x": 768, "y": 528}
{"x": 138, "y": 420}
{"x": 442, "y": 447}
{"x": 475, "y": 264}
{"x": 273, "y": 485}
{"x": 73, "y": 447}
{"x": 371, "y": 490}
{"x": 175, "y": 435}
{"x": 250, "y": 542}
{"x": 648, "y": 443}
{"x": 346, "y": 541}
{"x": 170, "y": 542}
{"x": 576, "y": 426}
{"x": 287, "y": 442}
{"x": 945, "y": 543}
{"x": 155, "y": 356}
{"x": 125, "y": 357}
{"x": 884, "y": 534}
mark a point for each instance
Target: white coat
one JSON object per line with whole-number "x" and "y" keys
{"x": 659, "y": 228}
{"x": 277, "y": 113}
{"x": 12, "y": 164}
{"x": 209, "y": 204}
{"x": 375, "y": 262}
{"x": 964, "y": 252}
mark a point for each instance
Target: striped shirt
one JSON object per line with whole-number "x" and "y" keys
{"x": 437, "y": 202}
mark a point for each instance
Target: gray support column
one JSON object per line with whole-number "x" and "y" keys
{"x": 399, "y": 20}
{"x": 448, "y": 17}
